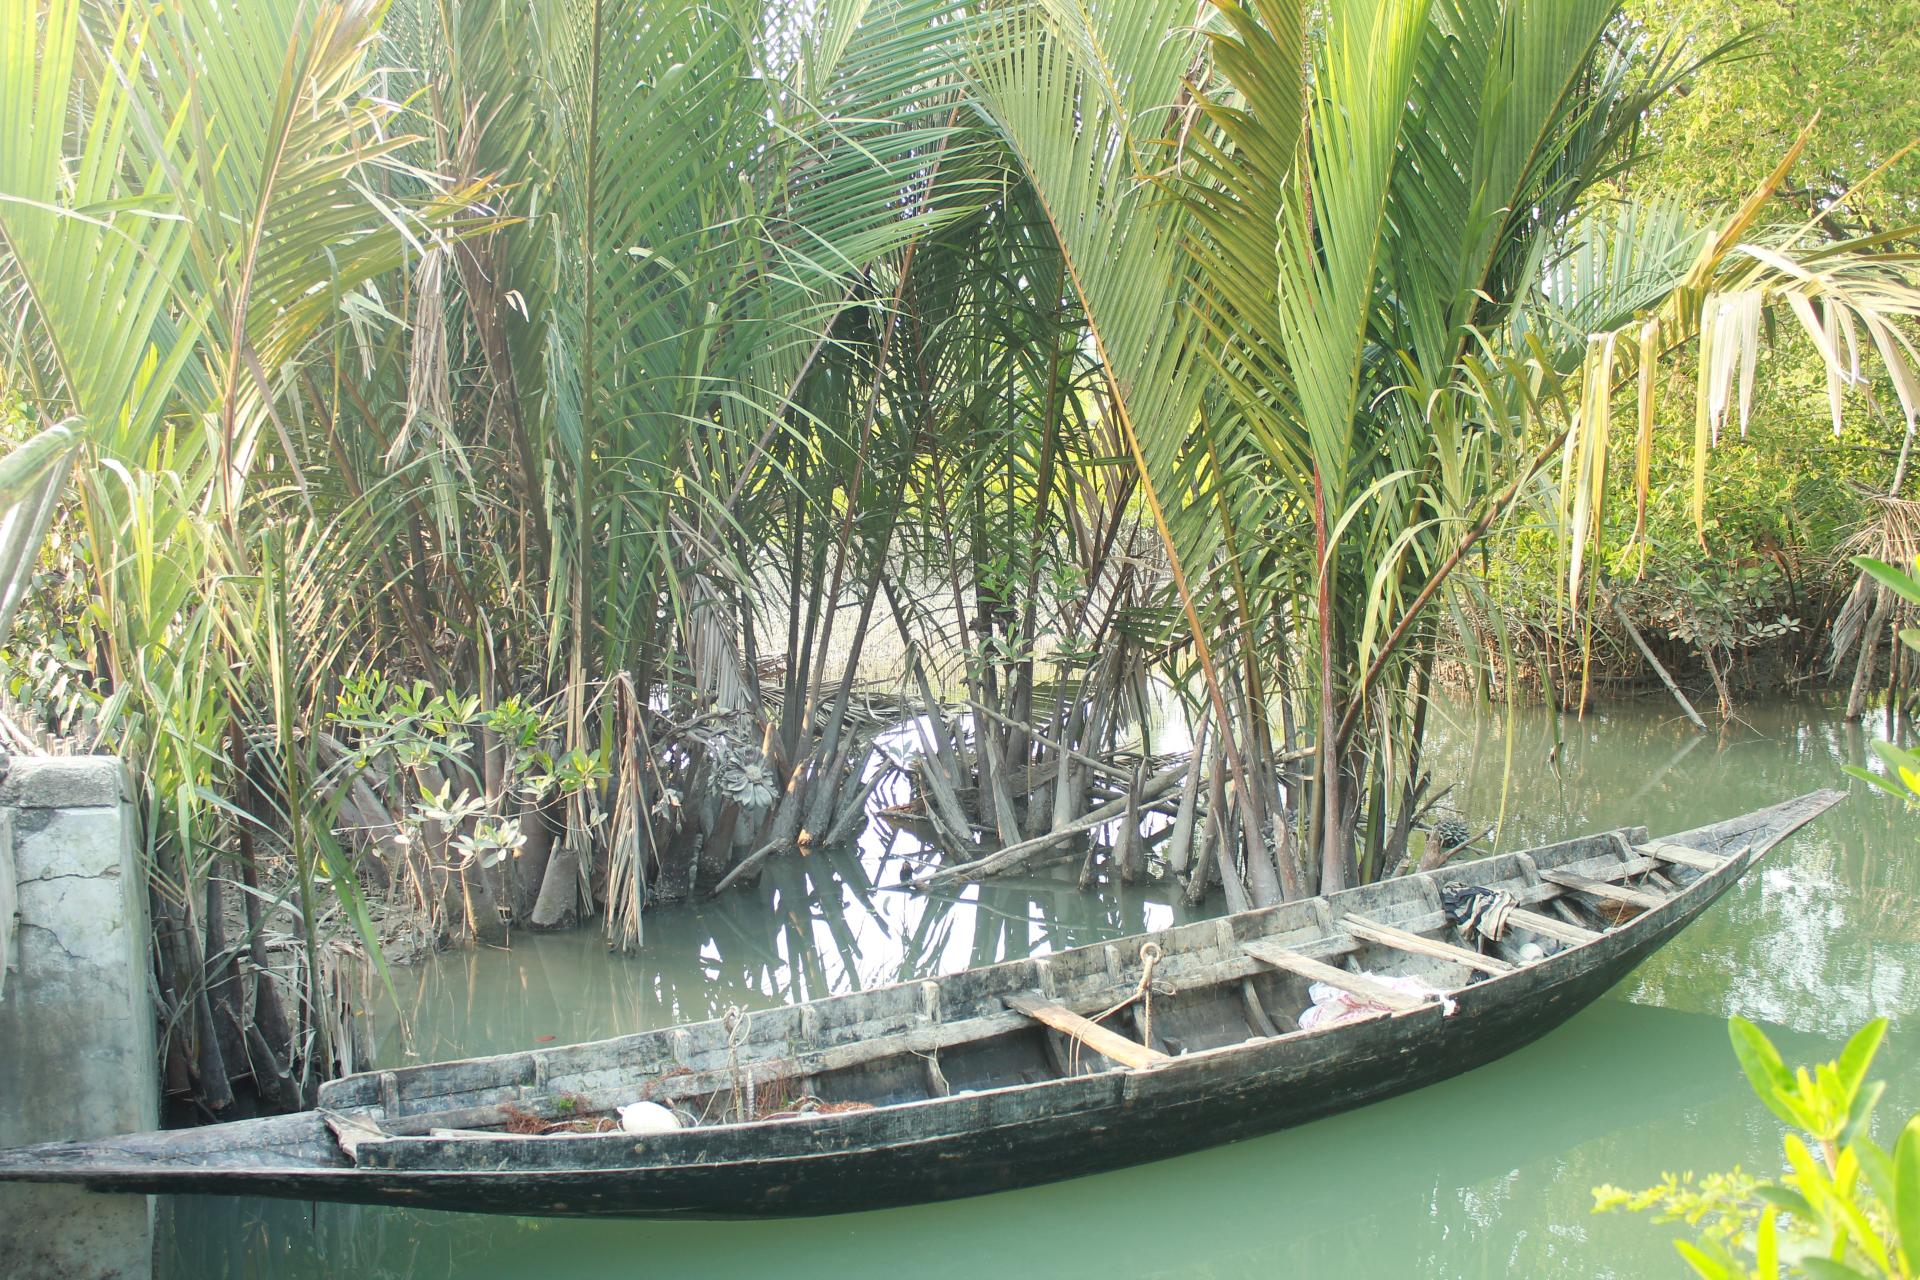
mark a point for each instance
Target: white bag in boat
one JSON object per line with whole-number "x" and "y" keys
{"x": 648, "y": 1117}
{"x": 1332, "y": 1006}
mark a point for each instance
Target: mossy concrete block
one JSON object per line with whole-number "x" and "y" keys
{"x": 76, "y": 1020}
{"x": 63, "y": 782}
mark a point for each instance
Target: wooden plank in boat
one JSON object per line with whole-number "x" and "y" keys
{"x": 1400, "y": 940}
{"x": 1601, "y": 889}
{"x": 1548, "y": 927}
{"x": 1610, "y": 872}
{"x": 1110, "y": 1044}
{"x": 1314, "y": 971}
{"x": 1680, "y": 855}
{"x": 491, "y": 1134}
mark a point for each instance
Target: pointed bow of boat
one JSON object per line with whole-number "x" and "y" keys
{"x": 1762, "y": 829}
{"x": 153, "y": 1159}
{"x": 72, "y": 1161}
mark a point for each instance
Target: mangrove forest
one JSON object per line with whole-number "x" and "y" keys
{"x": 735, "y": 502}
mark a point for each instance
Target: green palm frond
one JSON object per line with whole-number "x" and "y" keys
{"x": 32, "y": 477}
{"x": 97, "y": 239}
{"x": 1086, "y": 97}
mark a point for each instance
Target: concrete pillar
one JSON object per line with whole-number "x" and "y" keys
{"x": 76, "y": 1020}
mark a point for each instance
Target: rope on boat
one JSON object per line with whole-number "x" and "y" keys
{"x": 736, "y": 1022}
{"x": 1150, "y": 955}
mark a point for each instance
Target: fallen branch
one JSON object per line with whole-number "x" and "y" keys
{"x": 1014, "y": 854}
{"x": 1639, "y": 642}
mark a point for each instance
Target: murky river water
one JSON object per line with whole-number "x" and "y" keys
{"x": 1485, "y": 1175}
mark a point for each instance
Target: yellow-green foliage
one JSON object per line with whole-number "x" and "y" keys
{"x": 1849, "y": 1207}
{"x": 1781, "y": 498}
{"x": 1856, "y": 63}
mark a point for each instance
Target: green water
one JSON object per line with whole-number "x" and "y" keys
{"x": 1485, "y": 1175}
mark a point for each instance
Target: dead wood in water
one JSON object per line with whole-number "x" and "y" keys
{"x": 1013, "y": 855}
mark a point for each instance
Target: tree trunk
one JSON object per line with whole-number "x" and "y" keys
{"x": 1863, "y": 668}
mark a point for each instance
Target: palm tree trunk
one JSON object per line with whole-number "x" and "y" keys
{"x": 1333, "y": 862}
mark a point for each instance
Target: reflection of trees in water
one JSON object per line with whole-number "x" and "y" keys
{"x": 812, "y": 926}
{"x": 218, "y": 1238}
{"x": 867, "y": 932}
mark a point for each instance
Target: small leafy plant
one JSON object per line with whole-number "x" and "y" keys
{"x": 1902, "y": 762}
{"x": 419, "y": 750}
{"x": 1847, "y": 1207}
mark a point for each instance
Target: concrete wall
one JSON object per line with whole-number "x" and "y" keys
{"x": 76, "y": 1021}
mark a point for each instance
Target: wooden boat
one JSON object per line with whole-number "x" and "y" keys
{"x": 988, "y": 1079}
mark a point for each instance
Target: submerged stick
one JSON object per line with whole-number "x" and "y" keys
{"x": 1180, "y": 852}
{"x": 1217, "y": 831}
{"x": 1126, "y": 848}
{"x": 1155, "y": 787}
{"x": 854, "y": 815}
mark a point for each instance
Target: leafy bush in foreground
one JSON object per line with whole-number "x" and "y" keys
{"x": 1847, "y": 1207}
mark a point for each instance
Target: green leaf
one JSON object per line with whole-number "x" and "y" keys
{"x": 1896, "y": 758}
{"x": 338, "y": 868}
{"x": 34, "y": 457}
{"x": 1786, "y": 1198}
{"x": 1861, "y": 1112}
{"x": 1876, "y": 781}
{"x": 1906, "y": 1192}
{"x": 1706, "y": 1264}
{"x": 1901, "y": 584}
{"x": 1766, "y": 1246}
{"x": 1877, "y": 1166}
{"x": 1812, "y": 1178}
{"x": 1765, "y": 1071}
{"x": 1857, "y": 1057}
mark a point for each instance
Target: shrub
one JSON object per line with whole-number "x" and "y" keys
{"x": 1846, "y": 1208}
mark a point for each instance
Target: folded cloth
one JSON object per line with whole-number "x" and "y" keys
{"x": 1478, "y": 909}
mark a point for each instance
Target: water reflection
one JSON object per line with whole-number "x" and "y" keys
{"x": 1487, "y": 1175}
{"x": 813, "y": 926}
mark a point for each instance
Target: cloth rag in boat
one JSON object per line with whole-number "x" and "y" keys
{"x": 1480, "y": 912}
{"x": 1332, "y": 1006}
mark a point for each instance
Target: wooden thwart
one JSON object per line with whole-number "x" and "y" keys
{"x": 1680, "y": 855}
{"x": 1601, "y": 889}
{"x": 1400, "y": 940}
{"x": 1548, "y": 927}
{"x": 1314, "y": 971}
{"x": 1111, "y": 1044}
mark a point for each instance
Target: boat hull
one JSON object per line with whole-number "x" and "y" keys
{"x": 965, "y": 1145}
